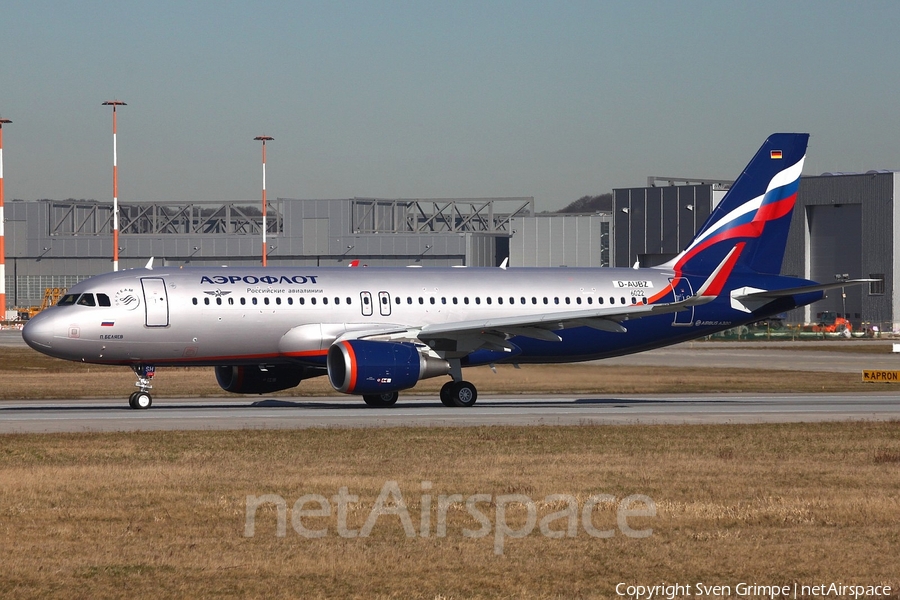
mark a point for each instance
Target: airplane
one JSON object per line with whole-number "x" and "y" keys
{"x": 375, "y": 332}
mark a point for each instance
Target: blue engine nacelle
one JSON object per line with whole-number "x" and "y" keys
{"x": 368, "y": 367}
{"x": 253, "y": 380}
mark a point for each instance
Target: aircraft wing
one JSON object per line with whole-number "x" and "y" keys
{"x": 492, "y": 333}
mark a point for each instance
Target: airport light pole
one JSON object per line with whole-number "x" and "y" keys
{"x": 265, "y": 252}
{"x": 114, "y": 104}
{"x": 2, "y": 232}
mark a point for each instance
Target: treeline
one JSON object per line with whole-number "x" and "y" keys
{"x": 590, "y": 204}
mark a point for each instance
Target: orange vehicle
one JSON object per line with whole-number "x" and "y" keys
{"x": 829, "y": 322}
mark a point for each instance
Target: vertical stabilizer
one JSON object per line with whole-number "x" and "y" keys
{"x": 754, "y": 216}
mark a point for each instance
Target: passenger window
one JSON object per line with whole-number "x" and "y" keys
{"x": 103, "y": 300}
{"x": 590, "y": 300}
{"x": 278, "y": 300}
{"x": 337, "y": 300}
{"x": 266, "y": 300}
{"x": 556, "y": 300}
{"x": 466, "y": 300}
{"x": 477, "y": 300}
{"x": 568, "y": 300}
{"x": 623, "y": 299}
{"x": 421, "y": 300}
{"x": 546, "y": 301}
{"x": 194, "y": 301}
{"x": 313, "y": 300}
{"x": 86, "y": 300}
{"x": 431, "y": 300}
{"x": 230, "y": 300}
{"x": 206, "y": 301}
{"x": 600, "y": 300}
{"x": 455, "y": 300}
{"x": 290, "y": 301}
{"x": 219, "y": 301}
{"x": 325, "y": 300}
{"x": 578, "y": 300}
{"x": 254, "y": 300}
{"x": 533, "y": 300}
{"x": 301, "y": 300}
{"x": 488, "y": 299}
{"x": 349, "y": 302}
{"x": 500, "y": 300}
{"x": 243, "y": 301}
{"x": 409, "y": 299}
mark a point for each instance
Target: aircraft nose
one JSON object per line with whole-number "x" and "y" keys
{"x": 38, "y": 332}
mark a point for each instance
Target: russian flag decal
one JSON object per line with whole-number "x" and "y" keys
{"x": 107, "y": 323}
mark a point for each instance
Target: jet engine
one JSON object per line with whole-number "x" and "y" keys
{"x": 371, "y": 367}
{"x": 252, "y": 379}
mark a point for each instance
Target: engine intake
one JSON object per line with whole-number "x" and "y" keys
{"x": 369, "y": 367}
{"x": 253, "y": 380}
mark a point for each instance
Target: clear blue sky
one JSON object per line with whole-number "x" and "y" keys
{"x": 435, "y": 99}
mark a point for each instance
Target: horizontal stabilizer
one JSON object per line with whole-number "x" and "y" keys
{"x": 748, "y": 299}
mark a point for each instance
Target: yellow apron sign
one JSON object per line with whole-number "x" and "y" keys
{"x": 873, "y": 376}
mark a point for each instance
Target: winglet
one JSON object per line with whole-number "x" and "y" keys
{"x": 505, "y": 263}
{"x": 149, "y": 265}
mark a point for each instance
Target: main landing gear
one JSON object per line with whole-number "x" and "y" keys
{"x": 142, "y": 399}
{"x": 454, "y": 393}
{"x": 458, "y": 393}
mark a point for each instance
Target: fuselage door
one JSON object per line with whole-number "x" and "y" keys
{"x": 156, "y": 302}
{"x": 682, "y": 290}
{"x": 365, "y": 303}
{"x": 384, "y": 304}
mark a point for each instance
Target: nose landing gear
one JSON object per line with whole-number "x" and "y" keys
{"x": 142, "y": 399}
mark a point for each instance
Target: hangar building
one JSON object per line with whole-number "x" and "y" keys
{"x": 55, "y": 244}
{"x": 844, "y": 224}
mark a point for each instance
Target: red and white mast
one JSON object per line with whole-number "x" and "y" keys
{"x": 2, "y": 232}
{"x": 264, "y": 139}
{"x": 114, "y": 104}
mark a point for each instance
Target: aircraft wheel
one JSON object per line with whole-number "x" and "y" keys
{"x": 463, "y": 393}
{"x": 447, "y": 394}
{"x": 141, "y": 400}
{"x": 131, "y": 400}
{"x": 381, "y": 400}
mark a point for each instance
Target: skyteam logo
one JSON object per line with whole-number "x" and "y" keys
{"x": 127, "y": 298}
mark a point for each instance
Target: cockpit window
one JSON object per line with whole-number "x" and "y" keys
{"x": 86, "y": 300}
{"x": 67, "y": 300}
{"x": 103, "y": 300}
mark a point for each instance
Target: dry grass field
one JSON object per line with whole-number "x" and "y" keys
{"x": 164, "y": 514}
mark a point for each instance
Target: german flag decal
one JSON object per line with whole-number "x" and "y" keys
{"x": 775, "y": 154}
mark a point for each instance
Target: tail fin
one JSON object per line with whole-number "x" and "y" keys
{"x": 754, "y": 216}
